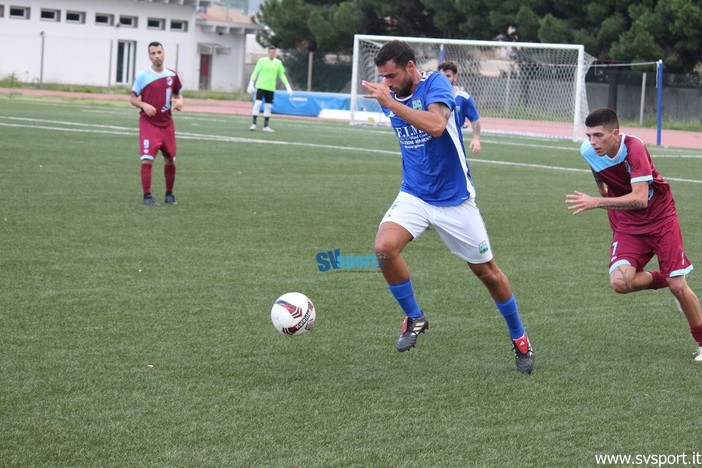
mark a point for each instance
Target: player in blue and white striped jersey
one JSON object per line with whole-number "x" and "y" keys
{"x": 436, "y": 191}
{"x": 466, "y": 110}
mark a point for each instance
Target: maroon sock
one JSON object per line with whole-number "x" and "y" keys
{"x": 146, "y": 178}
{"x": 659, "y": 281}
{"x": 697, "y": 333}
{"x": 169, "y": 170}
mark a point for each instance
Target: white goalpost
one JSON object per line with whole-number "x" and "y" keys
{"x": 518, "y": 87}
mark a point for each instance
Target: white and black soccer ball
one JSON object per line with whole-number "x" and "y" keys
{"x": 293, "y": 314}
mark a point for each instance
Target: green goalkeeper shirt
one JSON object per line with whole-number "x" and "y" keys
{"x": 266, "y": 72}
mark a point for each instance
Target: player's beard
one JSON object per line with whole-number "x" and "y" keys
{"x": 405, "y": 88}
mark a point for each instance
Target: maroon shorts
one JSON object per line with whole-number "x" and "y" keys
{"x": 638, "y": 250}
{"x": 153, "y": 138}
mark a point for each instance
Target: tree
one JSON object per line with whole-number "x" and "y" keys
{"x": 527, "y": 23}
{"x": 648, "y": 31}
{"x": 469, "y": 19}
{"x": 555, "y": 30}
{"x": 330, "y": 25}
{"x": 286, "y": 24}
{"x": 398, "y": 18}
{"x": 334, "y": 26}
{"x": 617, "y": 30}
{"x": 637, "y": 43}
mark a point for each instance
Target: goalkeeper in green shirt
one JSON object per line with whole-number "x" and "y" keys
{"x": 263, "y": 80}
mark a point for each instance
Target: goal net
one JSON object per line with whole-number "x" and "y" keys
{"x": 518, "y": 87}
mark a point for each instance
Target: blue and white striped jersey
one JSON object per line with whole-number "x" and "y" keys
{"x": 433, "y": 169}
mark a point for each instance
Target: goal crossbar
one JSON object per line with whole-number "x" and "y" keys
{"x": 519, "y": 87}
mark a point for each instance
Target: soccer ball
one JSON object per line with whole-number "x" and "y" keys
{"x": 293, "y": 314}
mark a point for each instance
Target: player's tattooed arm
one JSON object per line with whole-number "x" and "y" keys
{"x": 608, "y": 204}
{"x": 433, "y": 120}
{"x": 441, "y": 108}
{"x": 601, "y": 187}
{"x": 637, "y": 199}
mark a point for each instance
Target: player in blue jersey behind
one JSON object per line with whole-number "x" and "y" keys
{"x": 465, "y": 105}
{"x": 436, "y": 192}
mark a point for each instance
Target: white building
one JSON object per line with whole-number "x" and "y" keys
{"x": 104, "y": 43}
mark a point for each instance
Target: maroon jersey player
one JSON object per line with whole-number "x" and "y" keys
{"x": 156, "y": 91}
{"x": 642, "y": 216}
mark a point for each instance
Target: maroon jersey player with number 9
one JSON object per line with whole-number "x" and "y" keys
{"x": 156, "y": 91}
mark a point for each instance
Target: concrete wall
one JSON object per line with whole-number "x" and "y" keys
{"x": 86, "y": 53}
{"x": 683, "y": 104}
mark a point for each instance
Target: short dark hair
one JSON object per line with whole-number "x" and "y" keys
{"x": 603, "y": 116}
{"x": 399, "y": 52}
{"x": 271, "y": 47}
{"x": 155, "y": 44}
{"x": 448, "y": 66}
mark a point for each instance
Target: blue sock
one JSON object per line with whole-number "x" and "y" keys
{"x": 404, "y": 295}
{"x": 509, "y": 311}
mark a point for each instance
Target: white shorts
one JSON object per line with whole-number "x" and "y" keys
{"x": 460, "y": 227}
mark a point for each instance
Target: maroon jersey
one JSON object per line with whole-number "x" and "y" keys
{"x": 633, "y": 164}
{"x": 157, "y": 89}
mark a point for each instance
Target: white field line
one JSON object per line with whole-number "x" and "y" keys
{"x": 78, "y": 127}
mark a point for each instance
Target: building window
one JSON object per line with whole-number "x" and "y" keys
{"x": 104, "y": 19}
{"x": 156, "y": 23}
{"x": 178, "y": 25}
{"x": 19, "y": 12}
{"x": 2, "y": 11}
{"x": 50, "y": 15}
{"x": 128, "y": 21}
{"x": 126, "y": 61}
{"x": 75, "y": 17}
